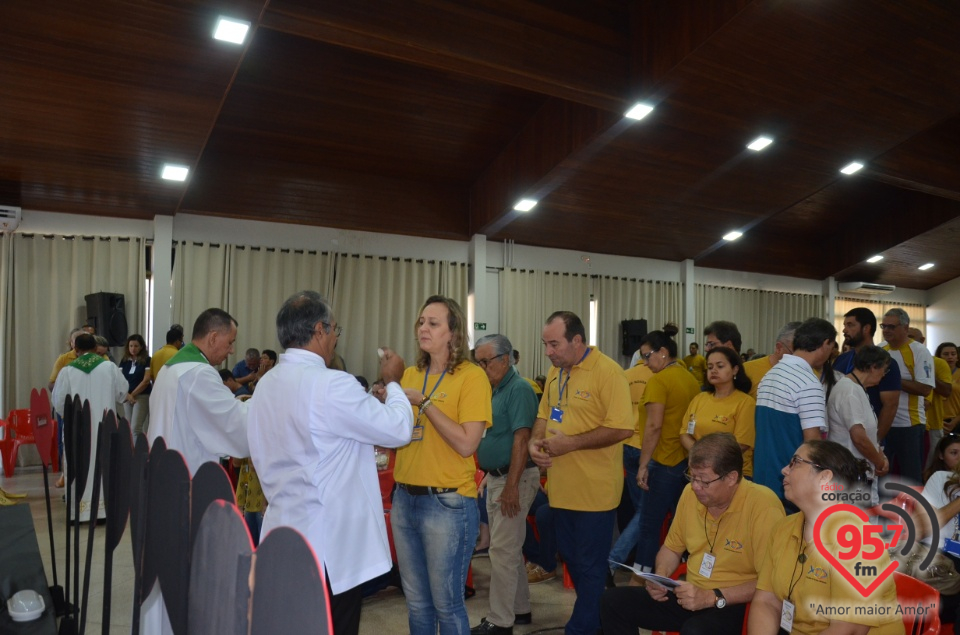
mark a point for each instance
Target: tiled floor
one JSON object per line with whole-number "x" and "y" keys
{"x": 383, "y": 614}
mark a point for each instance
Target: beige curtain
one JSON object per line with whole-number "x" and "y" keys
{"x": 917, "y": 312}
{"x": 47, "y": 278}
{"x": 260, "y": 280}
{"x": 6, "y": 331}
{"x": 630, "y": 299}
{"x": 759, "y": 315}
{"x": 377, "y": 299}
{"x": 200, "y": 279}
{"x": 527, "y": 298}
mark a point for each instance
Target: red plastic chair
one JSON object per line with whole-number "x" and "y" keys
{"x": 913, "y": 593}
{"x": 6, "y": 449}
{"x": 18, "y": 432}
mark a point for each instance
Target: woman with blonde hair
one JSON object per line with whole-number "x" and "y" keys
{"x": 434, "y": 516}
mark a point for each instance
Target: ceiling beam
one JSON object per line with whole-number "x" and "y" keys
{"x": 532, "y": 47}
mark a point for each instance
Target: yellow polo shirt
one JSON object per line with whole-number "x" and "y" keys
{"x": 697, "y": 364}
{"x": 755, "y": 370}
{"x": 675, "y": 388}
{"x": 941, "y": 370}
{"x": 818, "y": 588}
{"x": 596, "y": 395}
{"x": 733, "y": 413}
{"x": 738, "y": 539}
{"x": 161, "y": 357}
{"x": 637, "y": 378}
{"x": 62, "y": 361}
{"x": 463, "y": 395}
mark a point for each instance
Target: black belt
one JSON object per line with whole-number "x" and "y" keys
{"x": 502, "y": 471}
{"x": 423, "y": 490}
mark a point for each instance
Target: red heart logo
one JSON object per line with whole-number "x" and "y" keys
{"x": 859, "y": 513}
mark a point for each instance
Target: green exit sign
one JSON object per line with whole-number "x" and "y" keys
{"x": 689, "y": 330}
{"x": 479, "y": 326}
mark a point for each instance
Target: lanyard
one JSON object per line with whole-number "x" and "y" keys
{"x": 716, "y": 533}
{"x": 563, "y": 384}
{"x": 424, "y": 391}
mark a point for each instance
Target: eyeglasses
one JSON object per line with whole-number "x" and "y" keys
{"x": 884, "y": 327}
{"x": 696, "y": 480}
{"x": 799, "y": 459}
{"x": 646, "y": 356}
{"x": 710, "y": 344}
{"x": 482, "y": 363}
{"x": 337, "y": 330}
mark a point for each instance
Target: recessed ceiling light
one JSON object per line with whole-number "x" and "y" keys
{"x": 851, "y": 168}
{"x": 525, "y": 205}
{"x": 759, "y": 143}
{"x": 175, "y": 172}
{"x": 876, "y": 258}
{"x": 638, "y": 112}
{"x": 929, "y": 265}
{"x": 731, "y": 236}
{"x": 229, "y": 30}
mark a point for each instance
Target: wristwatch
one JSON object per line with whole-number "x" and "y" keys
{"x": 721, "y": 601}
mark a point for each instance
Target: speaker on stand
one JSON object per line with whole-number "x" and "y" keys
{"x": 632, "y": 331}
{"x": 105, "y": 311}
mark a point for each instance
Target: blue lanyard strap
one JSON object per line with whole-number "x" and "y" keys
{"x": 562, "y": 383}
{"x": 426, "y": 375}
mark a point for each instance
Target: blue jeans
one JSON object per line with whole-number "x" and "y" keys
{"x": 666, "y": 485}
{"x": 584, "y": 540}
{"x": 435, "y": 536}
{"x": 544, "y": 552}
{"x": 904, "y": 448}
{"x": 630, "y": 535}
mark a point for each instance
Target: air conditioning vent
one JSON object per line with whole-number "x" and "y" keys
{"x": 9, "y": 219}
{"x": 866, "y": 288}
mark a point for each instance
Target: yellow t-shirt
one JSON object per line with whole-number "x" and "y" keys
{"x": 595, "y": 395}
{"x": 62, "y": 361}
{"x": 675, "y": 388}
{"x": 738, "y": 538}
{"x": 463, "y": 395}
{"x": 818, "y": 589}
{"x": 952, "y": 407}
{"x": 534, "y": 385}
{"x": 941, "y": 370}
{"x": 637, "y": 378}
{"x": 755, "y": 370}
{"x": 734, "y": 414}
{"x": 697, "y": 364}
{"x": 161, "y": 357}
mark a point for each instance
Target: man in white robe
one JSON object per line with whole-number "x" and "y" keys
{"x": 197, "y": 416}
{"x": 101, "y": 383}
{"x": 312, "y": 431}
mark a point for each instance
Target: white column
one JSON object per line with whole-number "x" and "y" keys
{"x": 689, "y": 306}
{"x": 829, "y": 299}
{"x": 477, "y": 299}
{"x": 162, "y": 278}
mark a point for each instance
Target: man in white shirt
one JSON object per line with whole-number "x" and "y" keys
{"x": 904, "y": 442}
{"x": 99, "y": 382}
{"x": 197, "y": 416}
{"x": 312, "y": 431}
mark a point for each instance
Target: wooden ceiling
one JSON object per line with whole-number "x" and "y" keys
{"x": 432, "y": 117}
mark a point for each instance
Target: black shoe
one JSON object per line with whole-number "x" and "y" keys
{"x": 523, "y": 618}
{"x": 489, "y": 628}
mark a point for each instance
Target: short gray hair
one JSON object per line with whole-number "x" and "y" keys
{"x": 785, "y": 336}
{"x": 298, "y": 317}
{"x": 900, "y": 314}
{"x": 501, "y": 345}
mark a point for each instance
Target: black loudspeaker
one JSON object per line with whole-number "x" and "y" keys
{"x": 632, "y": 331}
{"x": 105, "y": 311}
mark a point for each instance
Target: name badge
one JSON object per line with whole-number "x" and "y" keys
{"x": 556, "y": 414}
{"x": 417, "y": 433}
{"x": 133, "y": 369}
{"x": 786, "y": 616}
{"x": 952, "y": 547}
{"x": 706, "y": 567}
{"x": 691, "y": 425}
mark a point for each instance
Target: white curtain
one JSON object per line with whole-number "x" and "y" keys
{"x": 527, "y": 298}
{"x": 917, "y": 312}
{"x": 44, "y": 300}
{"x": 260, "y": 280}
{"x": 621, "y": 299}
{"x": 376, "y": 301}
{"x": 200, "y": 279}
{"x": 759, "y": 315}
